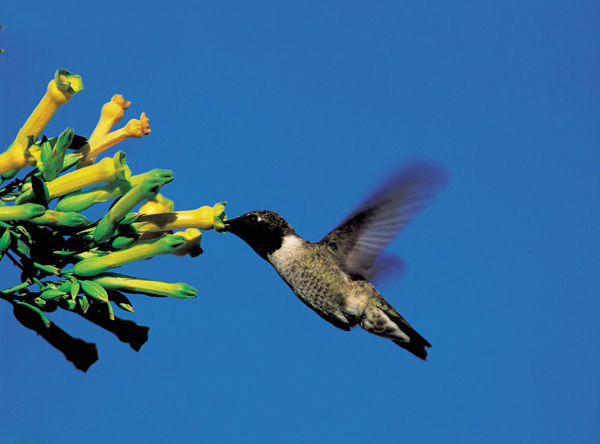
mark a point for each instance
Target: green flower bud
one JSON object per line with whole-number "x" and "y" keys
{"x": 143, "y": 250}
{"x": 128, "y": 284}
{"x": 164, "y": 176}
{"x": 70, "y": 160}
{"x": 60, "y": 219}
{"x": 82, "y": 200}
{"x": 129, "y": 219}
{"x": 21, "y": 212}
{"x": 121, "y": 242}
{"x": 46, "y": 151}
{"x": 139, "y": 193}
{"x": 5, "y": 241}
{"x": 54, "y": 164}
{"x": 107, "y": 170}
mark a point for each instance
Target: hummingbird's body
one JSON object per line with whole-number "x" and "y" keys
{"x": 332, "y": 276}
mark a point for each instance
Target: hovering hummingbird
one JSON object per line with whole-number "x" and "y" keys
{"x": 333, "y": 276}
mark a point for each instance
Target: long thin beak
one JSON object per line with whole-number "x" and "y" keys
{"x": 230, "y": 225}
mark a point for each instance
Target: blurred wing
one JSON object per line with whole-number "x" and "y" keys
{"x": 359, "y": 239}
{"x": 387, "y": 267}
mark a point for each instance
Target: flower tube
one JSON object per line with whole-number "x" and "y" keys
{"x": 192, "y": 237}
{"x": 204, "y": 218}
{"x": 54, "y": 218}
{"x": 128, "y": 284}
{"x": 112, "y": 113}
{"x": 134, "y": 128}
{"x": 94, "y": 265}
{"x": 107, "y": 170}
{"x": 158, "y": 204}
{"x": 107, "y": 226}
{"x": 21, "y": 212}
{"x": 60, "y": 90}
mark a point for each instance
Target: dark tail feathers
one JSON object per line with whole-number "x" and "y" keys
{"x": 416, "y": 345}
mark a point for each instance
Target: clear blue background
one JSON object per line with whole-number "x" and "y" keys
{"x": 303, "y": 109}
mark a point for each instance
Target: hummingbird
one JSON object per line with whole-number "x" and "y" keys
{"x": 333, "y": 276}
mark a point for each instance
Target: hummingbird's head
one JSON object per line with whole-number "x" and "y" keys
{"x": 262, "y": 230}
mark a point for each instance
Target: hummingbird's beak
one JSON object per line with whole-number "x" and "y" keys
{"x": 230, "y": 225}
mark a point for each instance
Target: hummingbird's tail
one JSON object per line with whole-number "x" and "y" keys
{"x": 416, "y": 345}
{"x": 382, "y": 319}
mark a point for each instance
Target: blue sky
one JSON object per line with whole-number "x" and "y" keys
{"x": 304, "y": 109}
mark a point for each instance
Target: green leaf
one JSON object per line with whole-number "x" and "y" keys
{"x": 23, "y": 248}
{"x": 94, "y": 290}
{"x": 52, "y": 294}
{"x": 5, "y": 241}
{"x": 83, "y": 303}
{"x": 121, "y": 300}
{"x": 75, "y": 287}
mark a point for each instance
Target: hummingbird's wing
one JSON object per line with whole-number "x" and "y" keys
{"x": 360, "y": 238}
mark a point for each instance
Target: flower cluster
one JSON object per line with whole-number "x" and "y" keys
{"x": 66, "y": 259}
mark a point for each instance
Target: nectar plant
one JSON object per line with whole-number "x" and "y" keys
{"x": 67, "y": 261}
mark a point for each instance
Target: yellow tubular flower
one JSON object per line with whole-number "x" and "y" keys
{"x": 60, "y": 90}
{"x": 81, "y": 201}
{"x": 107, "y": 170}
{"x": 160, "y": 204}
{"x": 193, "y": 236}
{"x": 204, "y": 218}
{"x": 14, "y": 158}
{"x": 129, "y": 284}
{"x": 112, "y": 113}
{"x": 92, "y": 266}
{"x": 134, "y": 128}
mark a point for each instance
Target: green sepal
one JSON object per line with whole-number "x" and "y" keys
{"x": 94, "y": 290}
{"x": 73, "y": 83}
